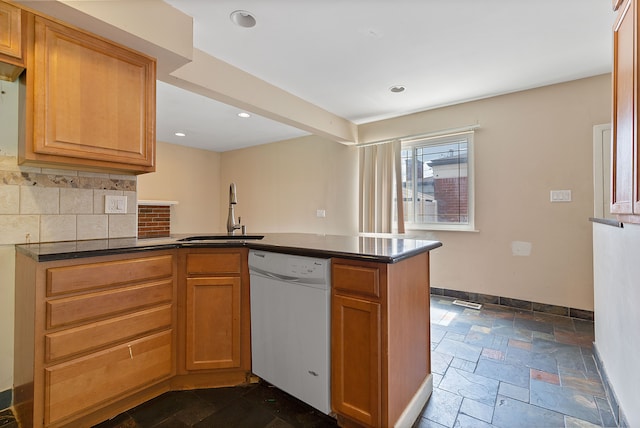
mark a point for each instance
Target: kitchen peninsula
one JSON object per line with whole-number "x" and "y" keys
{"x": 104, "y": 325}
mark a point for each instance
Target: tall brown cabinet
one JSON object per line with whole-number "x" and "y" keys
{"x": 625, "y": 180}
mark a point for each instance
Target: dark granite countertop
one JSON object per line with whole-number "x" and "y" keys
{"x": 377, "y": 248}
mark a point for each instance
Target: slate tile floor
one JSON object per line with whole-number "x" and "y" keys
{"x": 505, "y": 368}
{"x": 495, "y": 367}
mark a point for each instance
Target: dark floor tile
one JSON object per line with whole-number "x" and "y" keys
{"x": 512, "y": 391}
{"x": 605, "y": 412}
{"x": 238, "y": 414}
{"x": 533, "y": 360}
{"x": 288, "y": 408}
{"x": 565, "y": 400}
{"x": 7, "y": 420}
{"x": 512, "y": 332}
{"x": 459, "y": 349}
{"x": 467, "y": 366}
{"x": 155, "y": 411}
{"x": 533, "y": 325}
{"x": 569, "y": 356}
{"x": 426, "y": 423}
{"x": 503, "y": 371}
{"x": 440, "y": 362}
{"x": 476, "y": 410}
{"x": 465, "y": 421}
{"x": 470, "y": 385}
{"x": 123, "y": 420}
{"x": 482, "y": 336}
{"x": 511, "y": 413}
{"x": 579, "y": 380}
{"x": 442, "y": 408}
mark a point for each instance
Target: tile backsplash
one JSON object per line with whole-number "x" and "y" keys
{"x": 44, "y": 205}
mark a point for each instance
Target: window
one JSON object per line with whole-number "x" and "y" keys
{"x": 437, "y": 183}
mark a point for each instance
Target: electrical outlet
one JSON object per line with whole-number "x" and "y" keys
{"x": 115, "y": 204}
{"x": 321, "y": 213}
{"x": 561, "y": 196}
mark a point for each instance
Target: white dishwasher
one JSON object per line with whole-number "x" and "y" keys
{"x": 290, "y": 342}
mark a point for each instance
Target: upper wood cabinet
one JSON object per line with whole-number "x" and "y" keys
{"x": 625, "y": 179}
{"x": 90, "y": 104}
{"x": 11, "y": 41}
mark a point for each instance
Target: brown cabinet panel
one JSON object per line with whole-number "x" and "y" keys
{"x": 360, "y": 278}
{"x": 624, "y": 110}
{"x": 213, "y": 323}
{"x": 12, "y": 20}
{"x": 356, "y": 360}
{"x": 90, "y": 102}
{"x": 100, "y": 275}
{"x": 70, "y": 310}
{"x": 214, "y": 263}
{"x": 69, "y": 342}
{"x": 83, "y": 383}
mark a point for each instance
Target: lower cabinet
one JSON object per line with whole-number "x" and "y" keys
{"x": 380, "y": 341}
{"x": 94, "y": 336}
{"x": 214, "y": 318}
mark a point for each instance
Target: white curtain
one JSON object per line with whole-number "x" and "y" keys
{"x": 380, "y": 164}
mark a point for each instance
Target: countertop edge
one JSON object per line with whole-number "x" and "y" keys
{"x": 286, "y": 249}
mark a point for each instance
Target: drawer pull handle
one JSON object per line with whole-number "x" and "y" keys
{"x": 130, "y": 352}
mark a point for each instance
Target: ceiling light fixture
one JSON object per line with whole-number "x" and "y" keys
{"x": 244, "y": 114}
{"x": 396, "y": 89}
{"x": 242, "y": 18}
{"x": 180, "y": 134}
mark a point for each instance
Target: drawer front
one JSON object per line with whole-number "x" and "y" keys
{"x": 70, "y": 310}
{"x": 103, "y": 333}
{"x": 96, "y": 379}
{"x": 100, "y": 275}
{"x": 361, "y": 279}
{"x": 215, "y": 263}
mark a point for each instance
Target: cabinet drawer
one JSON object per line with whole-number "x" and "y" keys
{"x": 99, "y": 334}
{"x": 363, "y": 279}
{"x": 100, "y": 275}
{"x": 214, "y": 263}
{"x": 76, "y": 309}
{"x": 87, "y": 382}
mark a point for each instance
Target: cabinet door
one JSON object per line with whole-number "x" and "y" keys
{"x": 93, "y": 102}
{"x": 213, "y": 323}
{"x": 624, "y": 111}
{"x": 356, "y": 359}
{"x": 11, "y": 44}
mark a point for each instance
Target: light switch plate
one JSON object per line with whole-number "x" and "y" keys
{"x": 115, "y": 204}
{"x": 561, "y": 196}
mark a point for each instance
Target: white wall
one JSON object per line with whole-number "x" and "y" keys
{"x": 192, "y": 178}
{"x": 281, "y": 186}
{"x": 529, "y": 143}
{"x": 617, "y": 296}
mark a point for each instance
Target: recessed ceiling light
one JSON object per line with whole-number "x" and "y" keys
{"x": 180, "y": 134}
{"x": 244, "y": 114}
{"x": 397, "y": 89}
{"x": 242, "y": 18}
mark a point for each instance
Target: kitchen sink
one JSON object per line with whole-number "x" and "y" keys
{"x": 222, "y": 237}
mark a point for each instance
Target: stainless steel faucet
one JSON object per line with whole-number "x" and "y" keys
{"x": 232, "y": 226}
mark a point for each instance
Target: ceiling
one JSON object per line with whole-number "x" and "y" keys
{"x": 344, "y": 55}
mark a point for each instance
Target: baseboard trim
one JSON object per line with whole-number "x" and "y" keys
{"x": 618, "y": 414}
{"x": 514, "y": 303}
{"x": 412, "y": 412}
